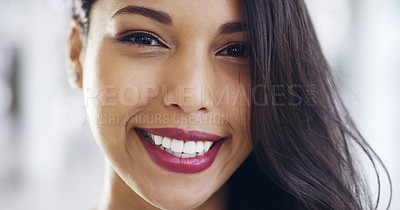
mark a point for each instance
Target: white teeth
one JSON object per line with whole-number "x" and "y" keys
{"x": 177, "y": 154}
{"x": 199, "y": 146}
{"x": 176, "y": 145}
{"x": 185, "y": 155}
{"x": 166, "y": 142}
{"x": 207, "y": 145}
{"x": 169, "y": 150}
{"x": 180, "y": 148}
{"x": 157, "y": 139}
{"x": 189, "y": 147}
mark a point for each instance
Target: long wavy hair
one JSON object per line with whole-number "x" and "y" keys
{"x": 302, "y": 134}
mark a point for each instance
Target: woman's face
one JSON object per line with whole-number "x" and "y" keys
{"x": 160, "y": 79}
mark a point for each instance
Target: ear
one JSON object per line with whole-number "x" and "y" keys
{"x": 74, "y": 55}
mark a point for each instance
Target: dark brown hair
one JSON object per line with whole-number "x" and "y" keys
{"x": 302, "y": 134}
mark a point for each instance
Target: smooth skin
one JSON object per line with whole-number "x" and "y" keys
{"x": 134, "y": 66}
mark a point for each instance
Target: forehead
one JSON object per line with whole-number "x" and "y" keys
{"x": 196, "y": 11}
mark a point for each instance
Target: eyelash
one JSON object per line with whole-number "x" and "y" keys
{"x": 153, "y": 40}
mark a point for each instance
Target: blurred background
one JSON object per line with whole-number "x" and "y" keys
{"x": 48, "y": 157}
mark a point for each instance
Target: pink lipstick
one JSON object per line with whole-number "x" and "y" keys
{"x": 169, "y": 160}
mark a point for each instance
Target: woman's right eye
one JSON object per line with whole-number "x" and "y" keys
{"x": 142, "y": 39}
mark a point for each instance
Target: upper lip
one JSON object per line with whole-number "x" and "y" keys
{"x": 181, "y": 134}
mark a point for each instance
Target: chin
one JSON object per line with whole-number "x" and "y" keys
{"x": 177, "y": 200}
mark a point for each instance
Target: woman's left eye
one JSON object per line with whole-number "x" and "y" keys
{"x": 142, "y": 39}
{"x": 239, "y": 50}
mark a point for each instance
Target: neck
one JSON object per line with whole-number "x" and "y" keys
{"x": 118, "y": 195}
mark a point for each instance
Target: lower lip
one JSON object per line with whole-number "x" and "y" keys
{"x": 180, "y": 165}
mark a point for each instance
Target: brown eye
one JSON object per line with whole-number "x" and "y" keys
{"x": 235, "y": 50}
{"x": 142, "y": 39}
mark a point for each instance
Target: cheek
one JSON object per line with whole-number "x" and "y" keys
{"x": 236, "y": 101}
{"x": 236, "y": 104}
{"x": 113, "y": 94}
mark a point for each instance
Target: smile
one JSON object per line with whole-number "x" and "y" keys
{"x": 178, "y": 148}
{"x": 180, "y": 151}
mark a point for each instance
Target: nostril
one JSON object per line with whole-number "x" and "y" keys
{"x": 185, "y": 106}
{"x": 203, "y": 109}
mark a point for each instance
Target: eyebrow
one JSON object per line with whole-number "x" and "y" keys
{"x": 164, "y": 18}
{"x": 231, "y": 27}
{"x": 158, "y": 16}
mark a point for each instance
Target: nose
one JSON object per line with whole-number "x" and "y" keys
{"x": 189, "y": 76}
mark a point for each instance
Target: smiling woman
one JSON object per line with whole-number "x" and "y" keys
{"x": 216, "y": 105}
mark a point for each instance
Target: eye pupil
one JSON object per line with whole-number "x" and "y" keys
{"x": 143, "y": 40}
{"x": 237, "y": 51}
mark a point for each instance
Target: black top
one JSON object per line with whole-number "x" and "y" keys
{"x": 251, "y": 189}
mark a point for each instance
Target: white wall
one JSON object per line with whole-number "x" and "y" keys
{"x": 55, "y": 161}
{"x": 362, "y": 41}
